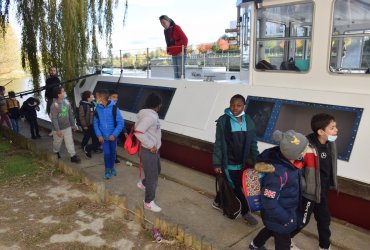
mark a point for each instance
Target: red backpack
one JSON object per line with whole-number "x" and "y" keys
{"x": 132, "y": 144}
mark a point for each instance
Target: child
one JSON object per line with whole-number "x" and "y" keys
{"x": 14, "y": 111}
{"x": 150, "y": 135}
{"x": 63, "y": 123}
{"x": 28, "y": 110}
{"x": 235, "y": 148}
{"x": 113, "y": 96}
{"x": 320, "y": 174}
{"x": 280, "y": 201}
{"x": 4, "y": 109}
{"x": 107, "y": 128}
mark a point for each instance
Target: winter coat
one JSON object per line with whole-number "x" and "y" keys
{"x": 3, "y": 106}
{"x": 220, "y": 148}
{"x": 280, "y": 204}
{"x": 148, "y": 123}
{"x": 13, "y": 108}
{"x": 29, "y": 107}
{"x": 51, "y": 84}
{"x": 175, "y": 38}
{"x": 311, "y": 183}
{"x": 87, "y": 118}
{"x": 104, "y": 121}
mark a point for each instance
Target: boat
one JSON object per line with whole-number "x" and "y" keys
{"x": 305, "y": 57}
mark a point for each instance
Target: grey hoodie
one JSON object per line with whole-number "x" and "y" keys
{"x": 148, "y": 123}
{"x": 61, "y": 115}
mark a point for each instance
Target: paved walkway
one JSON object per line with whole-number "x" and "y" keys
{"x": 186, "y": 195}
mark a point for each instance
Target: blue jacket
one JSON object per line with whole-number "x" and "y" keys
{"x": 280, "y": 204}
{"x": 104, "y": 125}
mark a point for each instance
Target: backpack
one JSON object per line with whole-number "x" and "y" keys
{"x": 14, "y": 111}
{"x": 114, "y": 113}
{"x": 78, "y": 121}
{"x": 251, "y": 180}
{"x": 132, "y": 144}
{"x": 229, "y": 203}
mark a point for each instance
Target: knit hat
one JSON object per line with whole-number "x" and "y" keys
{"x": 292, "y": 144}
{"x": 165, "y": 17}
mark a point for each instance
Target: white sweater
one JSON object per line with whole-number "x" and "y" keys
{"x": 148, "y": 123}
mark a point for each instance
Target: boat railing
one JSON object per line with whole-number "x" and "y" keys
{"x": 140, "y": 62}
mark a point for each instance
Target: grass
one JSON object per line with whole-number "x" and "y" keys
{"x": 15, "y": 162}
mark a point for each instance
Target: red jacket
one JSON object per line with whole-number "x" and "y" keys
{"x": 175, "y": 40}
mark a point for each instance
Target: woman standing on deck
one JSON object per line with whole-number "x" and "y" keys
{"x": 175, "y": 39}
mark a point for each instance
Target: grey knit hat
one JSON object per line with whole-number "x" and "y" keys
{"x": 292, "y": 144}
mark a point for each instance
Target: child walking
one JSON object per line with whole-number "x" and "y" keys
{"x": 280, "y": 201}
{"x": 63, "y": 124}
{"x": 14, "y": 110}
{"x": 235, "y": 148}
{"x": 107, "y": 128}
{"x": 320, "y": 174}
{"x": 149, "y": 134}
{"x": 86, "y": 115}
{"x": 28, "y": 110}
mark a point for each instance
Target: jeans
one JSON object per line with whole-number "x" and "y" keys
{"x": 34, "y": 126}
{"x": 282, "y": 241}
{"x": 90, "y": 133}
{"x": 15, "y": 125}
{"x": 177, "y": 66}
{"x": 109, "y": 149}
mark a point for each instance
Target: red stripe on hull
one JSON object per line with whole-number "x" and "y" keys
{"x": 342, "y": 206}
{"x": 349, "y": 208}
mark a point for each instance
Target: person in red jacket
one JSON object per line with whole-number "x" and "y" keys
{"x": 175, "y": 39}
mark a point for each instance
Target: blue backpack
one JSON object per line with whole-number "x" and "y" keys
{"x": 251, "y": 181}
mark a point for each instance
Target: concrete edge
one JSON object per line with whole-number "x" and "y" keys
{"x": 165, "y": 226}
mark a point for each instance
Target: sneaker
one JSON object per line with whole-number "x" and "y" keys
{"x": 38, "y": 136}
{"x": 58, "y": 155}
{"x": 152, "y": 206}
{"x": 140, "y": 185}
{"x": 216, "y": 205}
{"x": 107, "y": 175}
{"x": 87, "y": 153}
{"x": 117, "y": 161}
{"x": 113, "y": 172}
{"x": 33, "y": 137}
{"x": 253, "y": 247}
{"x": 99, "y": 150}
{"x": 51, "y": 133}
{"x": 75, "y": 159}
{"x": 249, "y": 218}
{"x": 320, "y": 248}
{"x": 293, "y": 246}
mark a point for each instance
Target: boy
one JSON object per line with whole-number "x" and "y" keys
{"x": 63, "y": 124}
{"x": 4, "y": 109}
{"x": 28, "y": 110}
{"x": 14, "y": 111}
{"x": 280, "y": 201}
{"x": 86, "y": 115}
{"x": 235, "y": 148}
{"x": 113, "y": 96}
{"x": 107, "y": 128}
{"x": 320, "y": 174}
{"x": 149, "y": 134}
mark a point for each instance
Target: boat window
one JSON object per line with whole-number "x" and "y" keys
{"x": 350, "y": 45}
{"x": 284, "y": 37}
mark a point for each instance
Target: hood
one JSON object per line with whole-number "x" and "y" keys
{"x": 273, "y": 156}
{"x": 145, "y": 112}
{"x": 228, "y": 113}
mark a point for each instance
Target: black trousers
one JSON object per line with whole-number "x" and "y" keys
{"x": 90, "y": 133}
{"x": 34, "y": 126}
{"x": 282, "y": 241}
{"x": 322, "y": 216}
{"x": 236, "y": 178}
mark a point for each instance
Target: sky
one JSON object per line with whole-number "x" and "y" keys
{"x": 201, "y": 20}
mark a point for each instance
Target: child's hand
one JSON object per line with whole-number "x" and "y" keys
{"x": 101, "y": 139}
{"x": 112, "y": 138}
{"x": 59, "y": 133}
{"x": 153, "y": 150}
{"x": 74, "y": 129}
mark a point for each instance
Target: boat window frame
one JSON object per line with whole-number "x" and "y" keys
{"x": 255, "y": 42}
{"x": 333, "y": 37}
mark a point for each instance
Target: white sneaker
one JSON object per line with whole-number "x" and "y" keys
{"x": 140, "y": 185}
{"x": 293, "y": 246}
{"x": 152, "y": 206}
{"x": 51, "y": 133}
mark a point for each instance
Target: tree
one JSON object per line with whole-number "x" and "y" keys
{"x": 62, "y": 32}
{"x": 9, "y": 57}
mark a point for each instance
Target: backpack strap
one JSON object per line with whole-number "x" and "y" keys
{"x": 114, "y": 113}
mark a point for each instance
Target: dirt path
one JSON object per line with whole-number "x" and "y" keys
{"x": 41, "y": 208}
